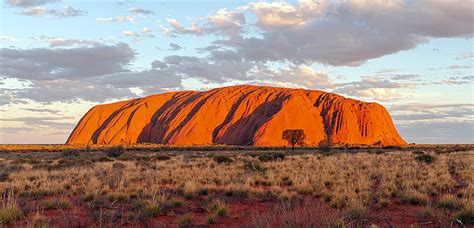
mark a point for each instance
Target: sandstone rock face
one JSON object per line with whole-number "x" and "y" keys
{"x": 238, "y": 115}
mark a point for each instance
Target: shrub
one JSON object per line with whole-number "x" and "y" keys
{"x": 186, "y": 220}
{"x": 212, "y": 219}
{"x": 4, "y": 176}
{"x": 425, "y": 158}
{"x": 9, "y": 215}
{"x": 448, "y": 202}
{"x": 118, "y": 165}
{"x": 56, "y": 204}
{"x": 271, "y": 156}
{"x": 114, "y": 152}
{"x": 466, "y": 216}
{"x": 218, "y": 207}
{"x": 40, "y": 223}
{"x": 70, "y": 153}
{"x": 414, "y": 199}
{"x": 356, "y": 214}
{"x": 162, "y": 157}
{"x": 221, "y": 159}
{"x": 253, "y": 166}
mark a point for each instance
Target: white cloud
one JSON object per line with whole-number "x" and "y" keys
{"x": 28, "y": 3}
{"x": 129, "y": 19}
{"x": 62, "y": 42}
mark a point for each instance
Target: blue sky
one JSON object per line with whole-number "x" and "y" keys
{"x": 59, "y": 58}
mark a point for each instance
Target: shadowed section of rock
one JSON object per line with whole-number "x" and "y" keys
{"x": 242, "y": 115}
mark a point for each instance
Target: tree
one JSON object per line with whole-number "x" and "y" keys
{"x": 294, "y": 137}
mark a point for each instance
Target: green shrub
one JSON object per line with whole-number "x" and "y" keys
{"x": 425, "y": 158}
{"x": 186, "y": 220}
{"x": 218, "y": 207}
{"x": 9, "y": 215}
{"x": 114, "y": 152}
{"x": 414, "y": 199}
{"x": 448, "y": 202}
{"x": 466, "y": 216}
{"x": 356, "y": 214}
{"x": 221, "y": 159}
{"x": 56, "y": 204}
{"x": 40, "y": 223}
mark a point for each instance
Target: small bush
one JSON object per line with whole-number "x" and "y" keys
{"x": 212, "y": 219}
{"x": 56, "y": 204}
{"x": 70, "y": 153}
{"x": 119, "y": 166}
{"x": 425, "y": 158}
{"x": 448, "y": 202}
{"x": 466, "y": 216}
{"x": 414, "y": 199}
{"x": 221, "y": 159}
{"x": 253, "y": 166}
{"x": 186, "y": 220}
{"x": 40, "y": 223}
{"x": 276, "y": 156}
{"x": 4, "y": 176}
{"x": 89, "y": 197}
{"x": 9, "y": 215}
{"x": 218, "y": 207}
{"x": 114, "y": 152}
{"x": 356, "y": 214}
{"x": 162, "y": 157}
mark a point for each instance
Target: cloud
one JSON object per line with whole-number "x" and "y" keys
{"x": 7, "y": 38}
{"x": 129, "y": 19}
{"x": 458, "y": 80}
{"x": 42, "y": 110}
{"x": 175, "y": 47}
{"x": 64, "y": 63}
{"x": 52, "y": 122}
{"x": 461, "y": 67}
{"x": 387, "y": 70}
{"x": 465, "y": 55}
{"x": 28, "y": 3}
{"x": 144, "y": 32}
{"x": 53, "y": 13}
{"x": 138, "y": 11}
{"x": 375, "y": 88}
{"x": 400, "y": 77}
{"x": 332, "y": 32}
{"x": 64, "y": 42}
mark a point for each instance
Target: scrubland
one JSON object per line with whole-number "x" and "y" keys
{"x": 354, "y": 187}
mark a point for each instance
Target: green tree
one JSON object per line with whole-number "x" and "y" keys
{"x": 294, "y": 137}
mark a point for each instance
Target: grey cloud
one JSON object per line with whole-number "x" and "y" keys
{"x": 53, "y": 13}
{"x": 42, "y": 110}
{"x": 28, "y": 3}
{"x": 333, "y": 32}
{"x": 51, "y": 64}
{"x": 139, "y": 11}
{"x": 405, "y": 77}
{"x": 175, "y": 47}
{"x": 52, "y": 122}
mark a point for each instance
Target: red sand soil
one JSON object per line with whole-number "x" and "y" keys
{"x": 241, "y": 212}
{"x": 238, "y": 115}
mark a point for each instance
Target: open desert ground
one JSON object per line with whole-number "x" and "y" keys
{"x": 146, "y": 185}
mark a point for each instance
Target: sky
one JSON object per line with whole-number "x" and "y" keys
{"x": 59, "y": 58}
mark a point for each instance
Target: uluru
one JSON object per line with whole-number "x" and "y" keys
{"x": 237, "y": 115}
